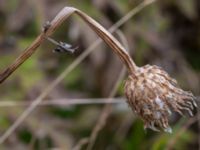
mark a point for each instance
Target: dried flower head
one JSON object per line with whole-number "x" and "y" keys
{"x": 152, "y": 94}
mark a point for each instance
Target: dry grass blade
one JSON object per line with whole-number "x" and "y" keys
{"x": 64, "y": 102}
{"x": 105, "y": 113}
{"x": 29, "y": 51}
{"x": 173, "y": 140}
{"x": 81, "y": 143}
{"x": 108, "y": 108}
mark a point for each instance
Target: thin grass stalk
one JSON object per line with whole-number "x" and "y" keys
{"x": 63, "y": 102}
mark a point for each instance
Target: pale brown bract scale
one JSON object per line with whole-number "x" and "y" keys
{"x": 153, "y": 95}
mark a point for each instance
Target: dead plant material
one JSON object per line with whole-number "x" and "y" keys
{"x": 150, "y": 91}
{"x": 152, "y": 94}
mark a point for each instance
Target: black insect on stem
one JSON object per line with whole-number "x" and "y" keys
{"x": 61, "y": 46}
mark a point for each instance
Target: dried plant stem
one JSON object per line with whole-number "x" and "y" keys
{"x": 81, "y": 143}
{"x": 63, "y": 15}
{"x": 111, "y": 41}
{"x": 65, "y": 102}
{"x": 105, "y": 113}
{"x": 30, "y": 50}
{"x": 173, "y": 140}
{"x": 22, "y": 58}
{"x": 54, "y": 25}
{"x": 108, "y": 108}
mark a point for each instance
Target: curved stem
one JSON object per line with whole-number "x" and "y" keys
{"x": 55, "y": 23}
{"x": 111, "y": 41}
{"x": 22, "y": 58}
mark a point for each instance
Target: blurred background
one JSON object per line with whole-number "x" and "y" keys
{"x": 165, "y": 33}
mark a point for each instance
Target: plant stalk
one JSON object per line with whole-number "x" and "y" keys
{"x": 54, "y": 24}
{"x": 111, "y": 41}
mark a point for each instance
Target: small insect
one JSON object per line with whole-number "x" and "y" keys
{"x": 65, "y": 47}
{"x": 62, "y": 46}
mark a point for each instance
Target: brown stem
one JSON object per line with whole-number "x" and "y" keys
{"x": 111, "y": 41}
{"x": 22, "y": 58}
{"x": 28, "y": 52}
{"x": 55, "y": 23}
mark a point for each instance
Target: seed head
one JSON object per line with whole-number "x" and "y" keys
{"x": 152, "y": 94}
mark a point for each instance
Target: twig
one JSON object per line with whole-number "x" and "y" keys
{"x": 64, "y": 102}
{"x": 81, "y": 143}
{"x": 105, "y": 113}
{"x": 108, "y": 108}
{"x": 66, "y": 71}
{"x": 124, "y": 128}
{"x": 173, "y": 140}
